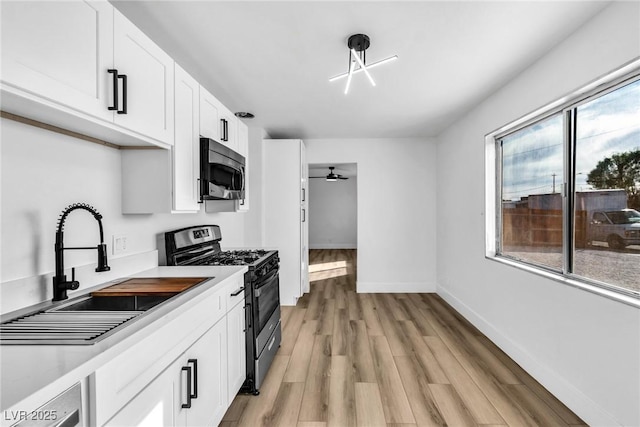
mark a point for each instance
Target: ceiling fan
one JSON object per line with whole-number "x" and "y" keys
{"x": 332, "y": 176}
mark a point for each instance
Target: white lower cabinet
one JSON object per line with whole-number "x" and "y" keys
{"x": 153, "y": 406}
{"x": 178, "y": 376}
{"x": 203, "y": 367}
{"x": 190, "y": 392}
{"x": 236, "y": 350}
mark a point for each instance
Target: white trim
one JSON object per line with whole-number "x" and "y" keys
{"x": 394, "y": 287}
{"x": 567, "y": 393}
{"x": 333, "y": 246}
{"x": 616, "y": 295}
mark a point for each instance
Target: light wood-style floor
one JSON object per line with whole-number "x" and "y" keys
{"x": 388, "y": 360}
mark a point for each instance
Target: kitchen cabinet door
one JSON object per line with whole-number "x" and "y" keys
{"x": 229, "y": 128}
{"x": 149, "y": 75}
{"x": 236, "y": 350}
{"x": 209, "y": 115}
{"x": 186, "y": 153}
{"x": 59, "y": 51}
{"x": 304, "y": 221}
{"x": 210, "y": 377}
{"x": 285, "y": 215}
{"x": 153, "y": 406}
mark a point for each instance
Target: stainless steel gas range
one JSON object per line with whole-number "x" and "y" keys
{"x": 200, "y": 245}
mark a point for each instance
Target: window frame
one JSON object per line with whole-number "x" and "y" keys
{"x": 567, "y": 107}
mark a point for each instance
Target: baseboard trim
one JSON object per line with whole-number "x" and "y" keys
{"x": 394, "y": 287}
{"x": 333, "y": 246}
{"x": 568, "y": 394}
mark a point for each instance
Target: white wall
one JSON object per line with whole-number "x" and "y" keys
{"x": 254, "y": 217}
{"x": 584, "y": 348}
{"x": 42, "y": 173}
{"x": 333, "y": 214}
{"x": 396, "y": 189}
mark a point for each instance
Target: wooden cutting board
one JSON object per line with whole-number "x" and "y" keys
{"x": 160, "y": 286}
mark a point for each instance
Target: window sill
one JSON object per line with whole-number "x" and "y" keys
{"x": 624, "y": 296}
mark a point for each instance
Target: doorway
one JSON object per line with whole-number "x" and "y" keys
{"x": 333, "y": 213}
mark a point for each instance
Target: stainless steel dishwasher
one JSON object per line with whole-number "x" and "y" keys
{"x": 64, "y": 410}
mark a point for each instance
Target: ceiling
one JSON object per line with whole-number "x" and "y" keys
{"x": 274, "y": 59}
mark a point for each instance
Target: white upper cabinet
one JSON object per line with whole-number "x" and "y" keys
{"x": 217, "y": 121}
{"x": 209, "y": 115}
{"x": 166, "y": 181}
{"x": 60, "y": 51}
{"x": 56, "y": 62}
{"x": 186, "y": 149}
{"x": 148, "y": 96}
{"x": 228, "y": 128}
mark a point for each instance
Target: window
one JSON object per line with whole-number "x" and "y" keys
{"x": 567, "y": 189}
{"x": 532, "y": 171}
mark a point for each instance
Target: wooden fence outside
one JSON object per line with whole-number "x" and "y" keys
{"x": 539, "y": 227}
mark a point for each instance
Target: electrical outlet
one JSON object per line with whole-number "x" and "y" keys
{"x": 119, "y": 244}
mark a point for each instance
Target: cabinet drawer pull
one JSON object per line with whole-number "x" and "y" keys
{"x": 188, "y": 369}
{"x": 124, "y": 93}
{"x": 115, "y": 89}
{"x": 237, "y": 291}
{"x": 271, "y": 343}
{"x": 195, "y": 377}
{"x": 247, "y": 318}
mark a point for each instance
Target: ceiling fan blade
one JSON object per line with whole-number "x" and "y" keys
{"x": 342, "y": 177}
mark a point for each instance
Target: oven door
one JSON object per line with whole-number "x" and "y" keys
{"x": 267, "y": 298}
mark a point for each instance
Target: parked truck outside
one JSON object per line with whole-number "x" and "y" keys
{"x": 619, "y": 228}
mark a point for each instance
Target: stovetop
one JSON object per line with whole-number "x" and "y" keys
{"x": 200, "y": 245}
{"x": 237, "y": 257}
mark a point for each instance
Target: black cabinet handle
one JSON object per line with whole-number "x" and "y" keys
{"x": 222, "y": 129}
{"x": 124, "y": 93}
{"x": 247, "y": 318}
{"x": 195, "y": 377}
{"x": 304, "y": 215}
{"x": 237, "y": 292}
{"x": 244, "y": 324}
{"x": 304, "y": 194}
{"x": 188, "y": 369}
{"x": 226, "y": 130}
{"x": 115, "y": 89}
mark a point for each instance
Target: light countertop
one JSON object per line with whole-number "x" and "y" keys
{"x": 32, "y": 374}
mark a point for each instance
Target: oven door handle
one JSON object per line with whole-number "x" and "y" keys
{"x": 269, "y": 278}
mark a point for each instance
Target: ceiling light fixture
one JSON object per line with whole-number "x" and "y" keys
{"x": 244, "y": 115}
{"x": 358, "y": 44}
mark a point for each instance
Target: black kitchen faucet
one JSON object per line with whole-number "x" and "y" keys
{"x": 60, "y": 283}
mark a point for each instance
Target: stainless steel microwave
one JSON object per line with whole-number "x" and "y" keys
{"x": 222, "y": 172}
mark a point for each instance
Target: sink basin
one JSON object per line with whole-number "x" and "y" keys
{"x": 84, "y": 320}
{"x": 91, "y": 318}
{"x": 123, "y": 303}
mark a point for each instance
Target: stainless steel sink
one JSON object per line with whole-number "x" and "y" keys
{"x": 83, "y": 320}
{"x": 123, "y": 303}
